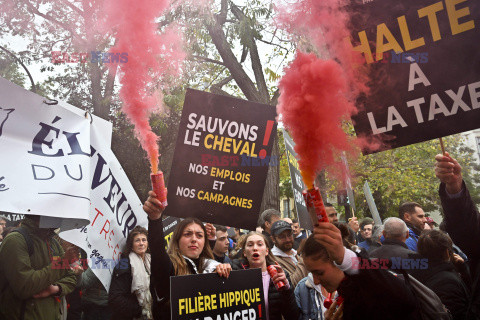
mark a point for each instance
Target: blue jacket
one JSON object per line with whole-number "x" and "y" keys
{"x": 412, "y": 240}
{"x": 306, "y": 295}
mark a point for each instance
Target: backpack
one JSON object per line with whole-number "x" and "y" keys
{"x": 429, "y": 304}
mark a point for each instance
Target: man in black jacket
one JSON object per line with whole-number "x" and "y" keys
{"x": 461, "y": 218}
{"x": 394, "y": 248}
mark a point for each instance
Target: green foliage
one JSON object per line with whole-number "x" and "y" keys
{"x": 11, "y": 70}
{"x": 407, "y": 174}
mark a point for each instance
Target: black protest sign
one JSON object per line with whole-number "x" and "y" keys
{"x": 297, "y": 183}
{"x": 423, "y": 62}
{"x": 221, "y": 160}
{"x": 169, "y": 225}
{"x": 211, "y": 297}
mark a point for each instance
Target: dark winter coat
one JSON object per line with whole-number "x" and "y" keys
{"x": 393, "y": 249}
{"x": 377, "y": 294}
{"x": 22, "y": 275}
{"x": 447, "y": 284}
{"x": 462, "y": 221}
{"x": 121, "y": 300}
{"x": 281, "y": 304}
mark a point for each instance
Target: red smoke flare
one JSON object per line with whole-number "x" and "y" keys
{"x": 313, "y": 105}
{"x": 316, "y": 93}
{"x": 152, "y": 58}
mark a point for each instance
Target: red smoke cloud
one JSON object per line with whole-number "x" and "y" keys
{"x": 316, "y": 93}
{"x": 152, "y": 58}
{"x": 313, "y": 105}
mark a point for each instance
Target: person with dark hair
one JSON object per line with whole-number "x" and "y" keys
{"x": 371, "y": 242}
{"x": 347, "y": 234}
{"x": 188, "y": 253}
{"x": 285, "y": 255}
{"x": 440, "y": 276}
{"x": 32, "y": 283}
{"x": 256, "y": 254}
{"x": 367, "y": 293}
{"x": 298, "y": 234}
{"x": 266, "y": 220}
{"x": 462, "y": 220}
{"x": 413, "y": 215}
{"x": 129, "y": 296}
{"x": 221, "y": 245}
{"x": 332, "y": 213}
{"x": 3, "y": 225}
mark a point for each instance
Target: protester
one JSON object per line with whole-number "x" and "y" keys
{"x": 266, "y": 220}
{"x": 129, "y": 296}
{"x": 285, "y": 255}
{"x": 94, "y": 297}
{"x": 347, "y": 235}
{"x": 32, "y": 278}
{"x": 3, "y": 225}
{"x": 355, "y": 226}
{"x": 413, "y": 215}
{"x": 440, "y": 276}
{"x": 370, "y": 243}
{"x": 363, "y": 223}
{"x": 332, "y": 213}
{"x": 220, "y": 248}
{"x": 288, "y": 220}
{"x": 430, "y": 223}
{"x": 462, "y": 220}
{"x": 310, "y": 297}
{"x": 298, "y": 234}
{"x": 278, "y": 303}
{"x": 367, "y": 293}
{"x": 396, "y": 233}
{"x": 187, "y": 254}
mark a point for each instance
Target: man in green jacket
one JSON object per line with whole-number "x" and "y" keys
{"x": 32, "y": 286}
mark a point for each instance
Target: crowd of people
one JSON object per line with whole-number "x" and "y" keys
{"x": 405, "y": 268}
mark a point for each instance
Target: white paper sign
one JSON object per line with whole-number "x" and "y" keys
{"x": 44, "y": 157}
{"x": 115, "y": 211}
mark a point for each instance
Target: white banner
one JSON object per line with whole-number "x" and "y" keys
{"x": 56, "y": 162}
{"x": 115, "y": 210}
{"x": 44, "y": 157}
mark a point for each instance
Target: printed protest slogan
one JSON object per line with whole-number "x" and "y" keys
{"x": 115, "y": 210}
{"x": 169, "y": 225}
{"x": 297, "y": 183}
{"x": 221, "y": 160}
{"x": 210, "y": 297}
{"x": 423, "y": 59}
{"x": 45, "y": 158}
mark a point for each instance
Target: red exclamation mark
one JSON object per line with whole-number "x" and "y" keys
{"x": 263, "y": 153}
{"x": 259, "y": 311}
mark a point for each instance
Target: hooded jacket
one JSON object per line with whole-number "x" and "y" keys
{"x": 309, "y": 299}
{"x": 22, "y": 275}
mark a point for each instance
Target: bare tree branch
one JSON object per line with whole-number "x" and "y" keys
{"x": 236, "y": 70}
{"x": 73, "y": 7}
{"x": 204, "y": 59}
{"x": 275, "y": 97}
{"x": 254, "y": 57}
{"x": 47, "y": 17}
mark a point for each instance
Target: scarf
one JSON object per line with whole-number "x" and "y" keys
{"x": 141, "y": 282}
